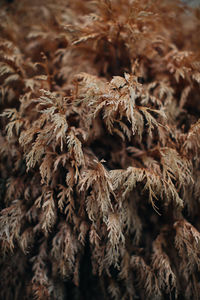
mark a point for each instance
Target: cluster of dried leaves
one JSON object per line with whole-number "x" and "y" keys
{"x": 99, "y": 165}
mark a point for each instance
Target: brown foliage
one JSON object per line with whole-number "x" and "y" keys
{"x": 99, "y": 166}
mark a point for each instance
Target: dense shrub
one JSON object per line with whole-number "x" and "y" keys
{"x": 100, "y": 144}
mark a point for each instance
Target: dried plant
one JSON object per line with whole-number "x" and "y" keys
{"x": 100, "y": 148}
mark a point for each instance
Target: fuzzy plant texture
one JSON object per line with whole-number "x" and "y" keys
{"x": 99, "y": 150}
